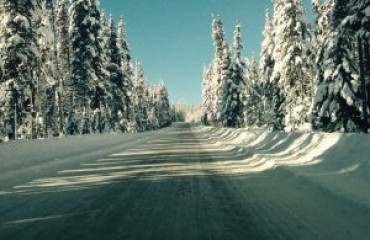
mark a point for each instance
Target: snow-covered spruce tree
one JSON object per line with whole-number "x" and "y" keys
{"x": 64, "y": 95}
{"x": 102, "y": 99}
{"x": 80, "y": 69}
{"x": 2, "y": 91}
{"x": 267, "y": 63}
{"x": 159, "y": 114}
{"x": 357, "y": 24}
{"x": 86, "y": 64}
{"x": 140, "y": 98}
{"x": 216, "y": 83}
{"x": 48, "y": 84}
{"x": 18, "y": 85}
{"x": 207, "y": 95}
{"x": 225, "y": 87}
{"x": 2, "y": 14}
{"x": 116, "y": 80}
{"x": 63, "y": 46}
{"x": 100, "y": 83}
{"x": 311, "y": 53}
{"x": 127, "y": 74}
{"x": 338, "y": 100}
{"x": 179, "y": 110}
{"x": 277, "y": 110}
{"x": 123, "y": 45}
{"x": 153, "y": 108}
{"x": 290, "y": 30}
{"x": 163, "y": 105}
{"x": 222, "y": 72}
{"x": 322, "y": 11}
{"x": 253, "y": 93}
{"x": 236, "y": 98}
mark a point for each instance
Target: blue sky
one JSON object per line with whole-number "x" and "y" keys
{"x": 172, "y": 38}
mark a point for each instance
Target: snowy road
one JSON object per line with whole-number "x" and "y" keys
{"x": 183, "y": 182}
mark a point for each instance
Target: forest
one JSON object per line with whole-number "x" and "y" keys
{"x": 66, "y": 69}
{"x": 311, "y": 76}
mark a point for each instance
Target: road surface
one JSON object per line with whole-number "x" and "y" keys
{"x": 169, "y": 184}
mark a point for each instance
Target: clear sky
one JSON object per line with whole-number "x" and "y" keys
{"x": 172, "y": 38}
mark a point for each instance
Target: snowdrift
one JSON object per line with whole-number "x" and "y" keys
{"x": 336, "y": 162}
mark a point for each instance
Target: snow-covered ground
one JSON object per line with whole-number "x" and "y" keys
{"x": 337, "y": 162}
{"x": 25, "y": 159}
{"x": 189, "y": 182}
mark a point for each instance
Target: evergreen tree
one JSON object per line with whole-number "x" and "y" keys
{"x": 153, "y": 110}
{"x": 253, "y": 93}
{"x": 338, "y": 98}
{"x": 290, "y": 37}
{"x": 102, "y": 100}
{"x": 2, "y": 14}
{"x": 48, "y": 102}
{"x": 116, "y": 79}
{"x": 126, "y": 69}
{"x": 86, "y": 64}
{"x": 64, "y": 95}
{"x": 225, "y": 87}
{"x": 163, "y": 106}
{"x": 68, "y": 72}
{"x": 236, "y": 98}
{"x": 2, "y": 89}
{"x": 63, "y": 46}
{"x": 159, "y": 114}
{"x": 140, "y": 98}
{"x": 276, "y": 91}
{"x": 322, "y": 11}
{"x": 81, "y": 58}
{"x": 222, "y": 82}
{"x": 18, "y": 85}
{"x": 216, "y": 90}
{"x": 98, "y": 115}
{"x": 207, "y": 95}
{"x": 267, "y": 63}
{"x": 357, "y": 25}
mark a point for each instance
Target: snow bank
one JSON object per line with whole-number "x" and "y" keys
{"x": 23, "y": 153}
{"x": 336, "y": 162}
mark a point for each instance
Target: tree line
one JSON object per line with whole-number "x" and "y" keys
{"x": 66, "y": 69}
{"x": 310, "y": 76}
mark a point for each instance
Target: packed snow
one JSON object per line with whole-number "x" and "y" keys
{"x": 335, "y": 161}
{"x": 245, "y": 183}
